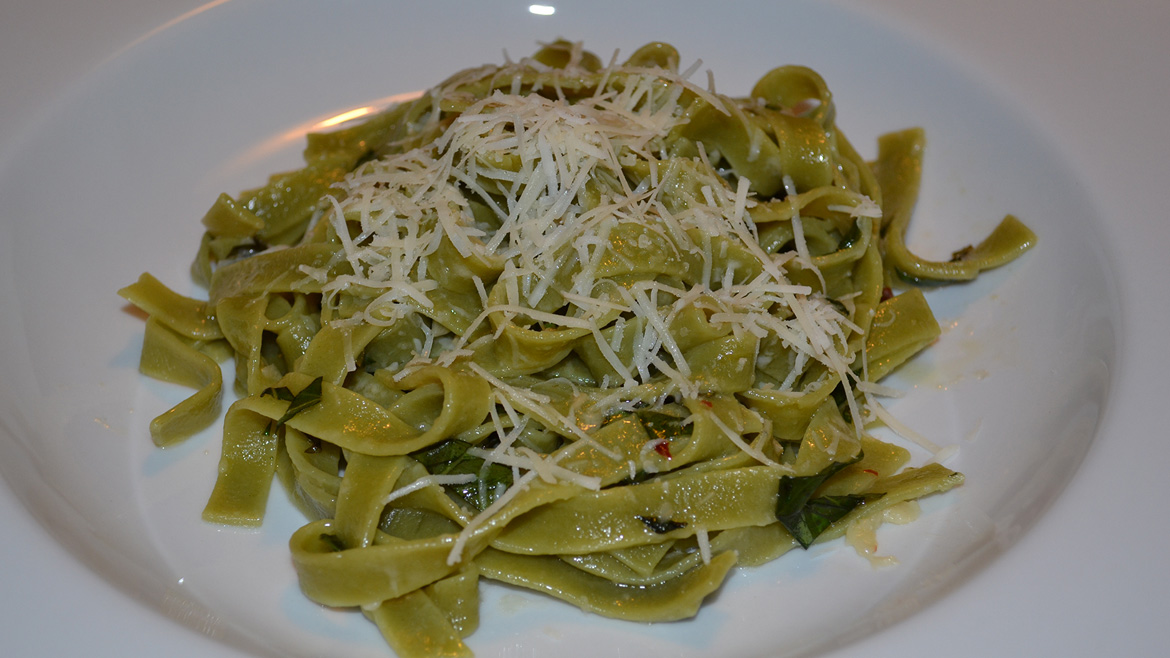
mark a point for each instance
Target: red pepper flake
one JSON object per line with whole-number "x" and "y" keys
{"x": 706, "y": 403}
{"x": 663, "y": 448}
{"x": 871, "y": 472}
{"x": 887, "y": 293}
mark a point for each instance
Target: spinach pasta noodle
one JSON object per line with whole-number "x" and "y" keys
{"x": 593, "y": 330}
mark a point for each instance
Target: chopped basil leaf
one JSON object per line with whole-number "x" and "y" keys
{"x": 444, "y": 453}
{"x": 818, "y": 515}
{"x": 661, "y": 526}
{"x": 281, "y": 393}
{"x": 663, "y": 425}
{"x": 309, "y": 396}
{"x": 806, "y": 517}
{"x": 842, "y": 404}
{"x": 666, "y": 422}
{"x": 494, "y": 482}
{"x": 450, "y": 458}
{"x": 850, "y": 238}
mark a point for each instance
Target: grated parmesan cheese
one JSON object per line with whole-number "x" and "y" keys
{"x": 553, "y": 175}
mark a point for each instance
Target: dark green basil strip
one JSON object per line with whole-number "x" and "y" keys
{"x": 495, "y": 481}
{"x": 817, "y": 515}
{"x": 661, "y": 526}
{"x": 663, "y": 425}
{"x": 309, "y": 396}
{"x": 807, "y": 517}
{"x": 444, "y": 454}
{"x": 450, "y": 458}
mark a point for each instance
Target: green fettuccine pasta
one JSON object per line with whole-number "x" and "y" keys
{"x": 591, "y": 330}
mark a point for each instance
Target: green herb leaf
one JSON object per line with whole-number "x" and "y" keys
{"x": 807, "y": 517}
{"x": 663, "y": 426}
{"x": 661, "y": 526}
{"x": 817, "y": 515}
{"x": 450, "y": 458}
{"x": 281, "y": 393}
{"x": 309, "y": 396}
{"x": 495, "y": 480}
{"x": 443, "y": 453}
{"x": 850, "y": 238}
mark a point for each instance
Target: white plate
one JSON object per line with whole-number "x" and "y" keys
{"x": 112, "y": 179}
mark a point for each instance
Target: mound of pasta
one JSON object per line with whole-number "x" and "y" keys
{"x": 594, "y": 330}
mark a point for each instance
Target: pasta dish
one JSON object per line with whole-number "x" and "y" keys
{"x": 590, "y": 329}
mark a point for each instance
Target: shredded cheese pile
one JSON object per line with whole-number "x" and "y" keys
{"x": 558, "y": 167}
{"x": 552, "y": 173}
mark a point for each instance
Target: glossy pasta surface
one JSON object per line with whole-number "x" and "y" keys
{"x": 588, "y": 329}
